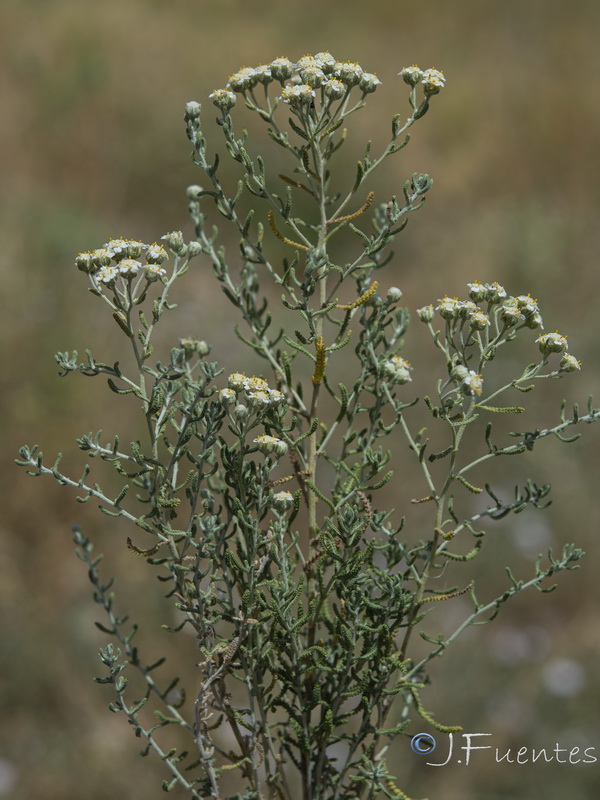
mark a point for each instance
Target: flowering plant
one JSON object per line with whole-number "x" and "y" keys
{"x": 258, "y": 497}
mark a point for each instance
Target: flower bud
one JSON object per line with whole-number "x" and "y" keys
{"x": 240, "y": 411}
{"x": 393, "y": 294}
{"x": 459, "y": 372}
{"x": 192, "y": 345}
{"x": 426, "y": 314}
{"x": 194, "y": 192}
{"x": 194, "y": 248}
{"x": 227, "y": 397}
{"x": 192, "y": 111}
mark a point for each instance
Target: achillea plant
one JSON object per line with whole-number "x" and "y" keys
{"x": 256, "y": 497}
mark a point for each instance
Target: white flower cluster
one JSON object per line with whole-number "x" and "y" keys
{"x": 522, "y": 309}
{"x": 432, "y": 79}
{"x": 513, "y": 310}
{"x": 268, "y": 445}
{"x": 119, "y": 258}
{"x": 256, "y": 391}
{"x": 555, "y": 343}
{"x": 397, "y": 369}
{"x": 470, "y": 381}
{"x": 191, "y": 345}
{"x": 299, "y": 79}
{"x": 453, "y": 308}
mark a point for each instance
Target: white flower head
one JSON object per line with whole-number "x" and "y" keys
{"x": 349, "y": 72}
{"x": 411, "y": 75}
{"x": 255, "y": 384}
{"x": 334, "y": 89}
{"x": 129, "y": 267}
{"x": 245, "y": 78}
{"x": 511, "y": 314}
{"x": 569, "y": 363}
{"x": 448, "y": 307}
{"x": 174, "y": 240}
{"x": 156, "y": 254}
{"x": 259, "y": 398}
{"x": 281, "y": 68}
{"x": 472, "y": 383}
{"x": 117, "y": 247}
{"x": 101, "y": 257}
{"x": 270, "y": 444}
{"x": 466, "y": 308}
{"x": 236, "y": 381}
{"x": 300, "y": 94}
{"x": 552, "y": 343}
{"x": 108, "y": 274}
{"x": 223, "y": 99}
{"x": 495, "y": 293}
{"x": 281, "y": 501}
{"x": 326, "y": 61}
{"x": 535, "y": 321}
{"x": 313, "y": 76}
{"x": 263, "y": 73}
{"x": 85, "y": 262}
{"x": 276, "y": 397}
{"x": 307, "y": 61}
{"x": 433, "y": 80}
{"x": 478, "y": 320}
{"x": 477, "y": 291}
{"x": 369, "y": 82}
{"x": 153, "y": 272}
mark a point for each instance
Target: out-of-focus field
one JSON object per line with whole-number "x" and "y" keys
{"x": 93, "y": 146}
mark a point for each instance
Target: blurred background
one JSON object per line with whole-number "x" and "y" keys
{"x": 93, "y": 146}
